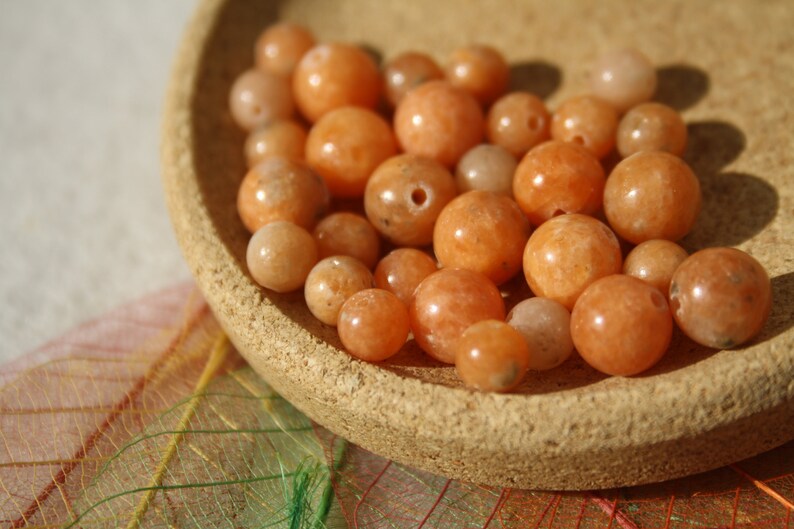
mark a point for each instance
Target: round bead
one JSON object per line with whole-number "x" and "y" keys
{"x": 257, "y": 97}
{"x": 407, "y": 71}
{"x": 546, "y": 328}
{"x": 280, "y": 256}
{"x": 568, "y": 253}
{"x": 346, "y": 233}
{"x": 283, "y": 137}
{"x": 654, "y": 262}
{"x": 439, "y": 121}
{"x": 446, "y": 303}
{"x": 652, "y": 195}
{"x": 464, "y": 236}
{"x": 331, "y": 282}
{"x": 651, "y": 127}
{"x": 335, "y": 75}
{"x": 280, "y": 47}
{"x": 404, "y": 197}
{"x": 720, "y": 297}
{"x": 491, "y": 356}
{"x": 623, "y": 78}
{"x": 373, "y": 324}
{"x": 281, "y": 189}
{"x": 588, "y": 121}
{"x": 486, "y": 168}
{"x": 555, "y": 178}
{"x": 518, "y": 121}
{"x": 401, "y": 271}
{"x": 621, "y": 325}
{"x": 346, "y": 145}
{"x": 480, "y": 70}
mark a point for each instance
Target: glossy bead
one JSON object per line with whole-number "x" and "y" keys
{"x": 346, "y": 233}
{"x": 281, "y": 189}
{"x": 439, "y": 121}
{"x": 280, "y": 47}
{"x": 257, "y": 97}
{"x": 401, "y": 271}
{"x": 720, "y": 297}
{"x": 406, "y": 71}
{"x": 568, "y": 253}
{"x": 652, "y": 195}
{"x": 621, "y": 325}
{"x": 335, "y": 75}
{"x": 555, "y": 178}
{"x": 624, "y": 78}
{"x": 480, "y": 70}
{"x": 404, "y": 197}
{"x": 346, "y": 145}
{"x": 486, "y": 168}
{"x": 491, "y": 356}
{"x": 518, "y": 121}
{"x": 484, "y": 232}
{"x": 331, "y": 282}
{"x": 283, "y": 137}
{"x": 651, "y": 127}
{"x": 373, "y": 324}
{"x": 280, "y": 256}
{"x": 654, "y": 262}
{"x": 588, "y": 121}
{"x": 446, "y": 303}
{"x": 546, "y": 327}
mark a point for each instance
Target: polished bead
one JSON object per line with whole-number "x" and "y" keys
{"x": 373, "y": 324}
{"x": 282, "y": 137}
{"x": 344, "y": 233}
{"x": 624, "y": 78}
{"x": 518, "y": 121}
{"x": 331, "y": 282}
{"x": 406, "y": 71}
{"x": 651, "y": 127}
{"x": 257, "y": 97}
{"x": 654, "y": 262}
{"x": 720, "y": 297}
{"x": 480, "y": 70}
{"x": 280, "y": 256}
{"x": 546, "y": 327}
{"x": 446, "y": 303}
{"x": 491, "y": 356}
{"x": 401, "y": 271}
{"x": 486, "y": 168}
{"x": 588, "y": 121}
{"x": 621, "y": 325}
{"x": 280, "y": 47}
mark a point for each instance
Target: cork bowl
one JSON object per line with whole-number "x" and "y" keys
{"x": 570, "y": 428}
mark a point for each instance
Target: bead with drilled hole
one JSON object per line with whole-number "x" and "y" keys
{"x": 588, "y": 121}
{"x": 518, "y": 121}
{"x": 257, "y": 97}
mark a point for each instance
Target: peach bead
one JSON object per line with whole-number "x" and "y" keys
{"x": 486, "y": 168}
{"x": 588, "y": 121}
{"x": 546, "y": 327}
{"x": 484, "y": 232}
{"x": 555, "y": 178}
{"x": 491, "y": 356}
{"x": 439, "y": 121}
{"x": 480, "y": 70}
{"x": 280, "y": 256}
{"x": 373, "y": 324}
{"x": 446, "y": 303}
{"x": 404, "y": 197}
{"x": 331, "y": 282}
{"x": 257, "y": 97}
{"x": 281, "y": 189}
{"x": 283, "y": 137}
{"x": 280, "y": 47}
{"x": 568, "y": 253}
{"x": 652, "y": 195}
{"x": 407, "y": 71}
{"x": 651, "y": 127}
{"x": 720, "y": 297}
{"x": 621, "y": 325}
{"x": 346, "y": 145}
{"x": 346, "y": 233}
{"x": 654, "y": 262}
{"x": 401, "y": 271}
{"x": 518, "y": 121}
{"x": 335, "y": 75}
{"x": 624, "y": 78}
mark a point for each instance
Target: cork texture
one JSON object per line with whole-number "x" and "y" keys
{"x": 726, "y": 66}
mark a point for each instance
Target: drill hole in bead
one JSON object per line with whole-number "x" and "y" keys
{"x": 533, "y": 123}
{"x": 658, "y": 301}
{"x": 418, "y": 196}
{"x": 578, "y": 140}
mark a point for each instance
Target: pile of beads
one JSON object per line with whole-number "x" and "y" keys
{"x": 407, "y": 140}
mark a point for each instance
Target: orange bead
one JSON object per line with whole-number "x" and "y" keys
{"x": 439, "y": 121}
{"x": 402, "y": 270}
{"x": 621, "y": 325}
{"x": 486, "y": 168}
{"x": 491, "y": 356}
{"x": 588, "y": 121}
{"x": 345, "y": 233}
{"x": 568, "y": 253}
{"x": 257, "y": 97}
{"x": 651, "y": 127}
{"x": 283, "y": 137}
{"x": 407, "y": 71}
{"x": 280, "y": 256}
{"x": 480, "y": 70}
{"x": 446, "y": 303}
{"x": 373, "y": 324}
{"x": 546, "y": 327}
{"x": 464, "y": 235}
{"x": 346, "y": 145}
{"x": 518, "y": 121}
{"x": 555, "y": 178}
{"x": 280, "y": 47}
{"x": 624, "y": 78}
{"x": 335, "y": 75}
{"x": 331, "y": 282}
{"x": 655, "y": 262}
